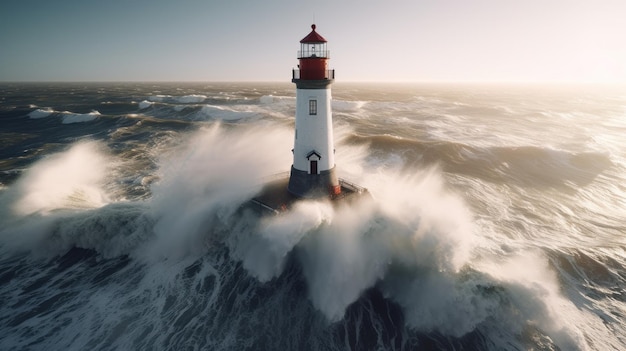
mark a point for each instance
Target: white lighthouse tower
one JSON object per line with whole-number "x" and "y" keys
{"x": 313, "y": 170}
{"x": 313, "y": 173}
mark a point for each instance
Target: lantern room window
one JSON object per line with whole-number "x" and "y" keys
{"x": 313, "y": 50}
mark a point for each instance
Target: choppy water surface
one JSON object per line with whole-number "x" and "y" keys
{"x": 497, "y": 219}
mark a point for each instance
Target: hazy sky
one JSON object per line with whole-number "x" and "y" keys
{"x": 369, "y": 40}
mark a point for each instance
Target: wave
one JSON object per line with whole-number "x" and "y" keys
{"x": 67, "y": 117}
{"x": 71, "y": 179}
{"x": 415, "y": 243}
{"x": 145, "y": 104}
{"x": 200, "y": 112}
{"x": 545, "y": 166}
{"x": 158, "y": 98}
{"x": 347, "y": 106}
{"x": 225, "y": 113}
{"x": 531, "y": 165}
{"x": 194, "y": 98}
{"x": 185, "y": 99}
{"x": 275, "y": 100}
{"x": 40, "y": 113}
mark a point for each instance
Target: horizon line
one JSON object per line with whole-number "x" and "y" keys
{"x": 460, "y": 82}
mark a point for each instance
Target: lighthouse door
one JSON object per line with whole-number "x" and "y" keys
{"x": 313, "y": 167}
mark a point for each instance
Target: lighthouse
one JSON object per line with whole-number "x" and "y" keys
{"x": 313, "y": 170}
{"x": 313, "y": 174}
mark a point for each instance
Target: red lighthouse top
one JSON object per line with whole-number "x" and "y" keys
{"x": 313, "y": 37}
{"x": 313, "y": 56}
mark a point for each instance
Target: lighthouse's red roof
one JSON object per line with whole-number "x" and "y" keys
{"x": 313, "y": 37}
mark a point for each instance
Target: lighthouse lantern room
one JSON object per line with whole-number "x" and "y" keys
{"x": 313, "y": 170}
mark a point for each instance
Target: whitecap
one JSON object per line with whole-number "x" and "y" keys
{"x": 40, "y": 113}
{"x": 158, "y": 98}
{"x": 69, "y": 117}
{"x": 145, "y": 104}
{"x": 194, "y": 98}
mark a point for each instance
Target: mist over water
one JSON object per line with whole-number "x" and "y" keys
{"x": 494, "y": 221}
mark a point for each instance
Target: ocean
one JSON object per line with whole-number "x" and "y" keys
{"x": 497, "y": 219}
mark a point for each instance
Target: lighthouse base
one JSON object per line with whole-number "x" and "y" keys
{"x": 275, "y": 197}
{"x": 305, "y": 185}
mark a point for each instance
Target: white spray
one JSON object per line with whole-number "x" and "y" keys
{"x": 414, "y": 240}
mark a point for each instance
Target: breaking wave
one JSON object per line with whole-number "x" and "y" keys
{"x": 145, "y": 104}
{"x": 414, "y": 240}
{"x": 41, "y": 113}
{"x": 67, "y": 117}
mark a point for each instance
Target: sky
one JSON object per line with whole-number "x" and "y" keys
{"x": 373, "y": 41}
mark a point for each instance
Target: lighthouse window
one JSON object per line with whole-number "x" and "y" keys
{"x": 312, "y": 107}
